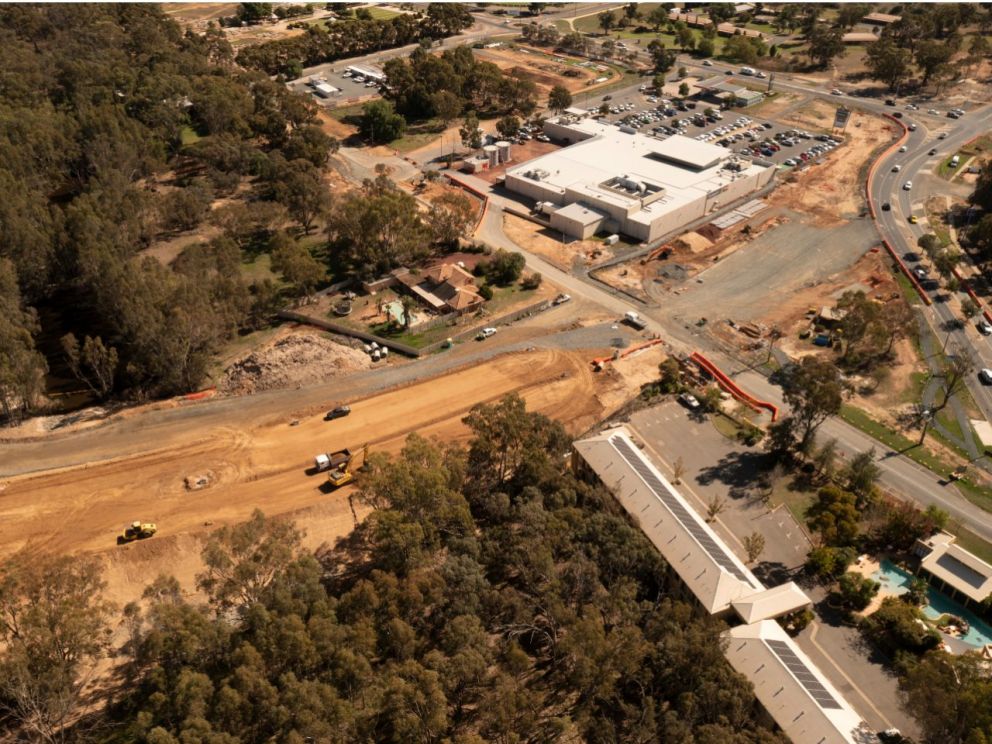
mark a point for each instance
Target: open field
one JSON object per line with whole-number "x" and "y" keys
{"x": 833, "y": 191}
{"x": 545, "y": 70}
{"x": 199, "y": 13}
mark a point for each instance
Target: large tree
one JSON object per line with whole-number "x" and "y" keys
{"x": 380, "y": 123}
{"x": 824, "y": 45}
{"x": 947, "y": 694}
{"x": 53, "y": 633}
{"x": 814, "y": 392}
{"x": 888, "y": 62}
{"x": 559, "y": 99}
{"x": 377, "y": 229}
{"x": 22, "y": 367}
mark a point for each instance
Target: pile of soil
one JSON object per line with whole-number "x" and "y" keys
{"x": 302, "y": 358}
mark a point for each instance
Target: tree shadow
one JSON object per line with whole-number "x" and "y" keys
{"x": 773, "y": 573}
{"x": 742, "y": 473}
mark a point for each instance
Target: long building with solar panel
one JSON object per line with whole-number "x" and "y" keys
{"x": 793, "y": 691}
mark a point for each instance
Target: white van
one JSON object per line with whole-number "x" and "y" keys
{"x": 955, "y": 160}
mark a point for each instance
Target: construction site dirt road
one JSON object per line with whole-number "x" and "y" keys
{"x": 249, "y": 463}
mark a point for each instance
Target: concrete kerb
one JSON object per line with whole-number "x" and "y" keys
{"x": 871, "y": 210}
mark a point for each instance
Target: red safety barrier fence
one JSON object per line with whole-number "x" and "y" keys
{"x": 731, "y": 387}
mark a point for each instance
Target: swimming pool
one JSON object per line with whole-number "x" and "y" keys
{"x": 895, "y": 580}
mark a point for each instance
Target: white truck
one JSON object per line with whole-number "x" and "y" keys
{"x": 632, "y": 318}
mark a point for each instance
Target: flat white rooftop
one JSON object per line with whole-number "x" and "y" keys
{"x": 580, "y": 213}
{"x": 685, "y": 168}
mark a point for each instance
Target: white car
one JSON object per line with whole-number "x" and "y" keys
{"x": 985, "y": 376}
{"x": 896, "y": 168}
{"x": 707, "y": 63}
{"x": 911, "y": 127}
{"x": 689, "y": 401}
{"x": 985, "y": 328}
{"x": 907, "y": 186}
{"x": 486, "y": 333}
{"x": 836, "y": 92}
{"x": 561, "y": 299}
{"x": 903, "y": 148}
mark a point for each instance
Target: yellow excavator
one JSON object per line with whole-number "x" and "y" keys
{"x": 137, "y": 531}
{"x": 338, "y": 465}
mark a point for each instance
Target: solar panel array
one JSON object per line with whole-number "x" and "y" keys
{"x": 802, "y": 672}
{"x": 963, "y": 571}
{"x": 692, "y": 525}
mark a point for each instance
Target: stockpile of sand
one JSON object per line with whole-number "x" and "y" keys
{"x": 303, "y": 358}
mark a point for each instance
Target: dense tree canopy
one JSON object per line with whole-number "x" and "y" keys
{"x": 415, "y": 86}
{"x": 353, "y": 38}
{"x": 118, "y": 129}
{"x": 490, "y": 596}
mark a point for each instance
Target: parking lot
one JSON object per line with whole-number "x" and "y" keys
{"x": 760, "y": 138}
{"x": 349, "y": 87}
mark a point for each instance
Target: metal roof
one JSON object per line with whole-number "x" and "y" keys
{"x": 803, "y": 702}
{"x": 701, "y": 559}
{"x": 771, "y": 603}
{"x": 958, "y": 568}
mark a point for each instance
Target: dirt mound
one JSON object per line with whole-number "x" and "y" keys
{"x": 297, "y": 359}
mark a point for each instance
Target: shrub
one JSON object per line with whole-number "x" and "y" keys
{"x": 532, "y": 282}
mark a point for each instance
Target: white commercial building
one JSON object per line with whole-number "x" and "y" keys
{"x": 631, "y": 183}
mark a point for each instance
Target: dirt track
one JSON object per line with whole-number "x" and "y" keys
{"x": 252, "y": 465}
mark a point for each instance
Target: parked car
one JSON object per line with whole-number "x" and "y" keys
{"x": 985, "y": 376}
{"x": 985, "y": 328}
{"x": 561, "y": 299}
{"x": 689, "y": 401}
{"x": 336, "y": 413}
{"x": 485, "y": 333}
{"x": 707, "y": 63}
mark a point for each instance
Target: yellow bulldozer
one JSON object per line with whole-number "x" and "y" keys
{"x": 137, "y": 531}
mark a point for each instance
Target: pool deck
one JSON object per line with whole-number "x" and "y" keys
{"x": 868, "y": 567}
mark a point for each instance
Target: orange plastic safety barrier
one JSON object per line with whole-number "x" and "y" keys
{"x": 731, "y": 387}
